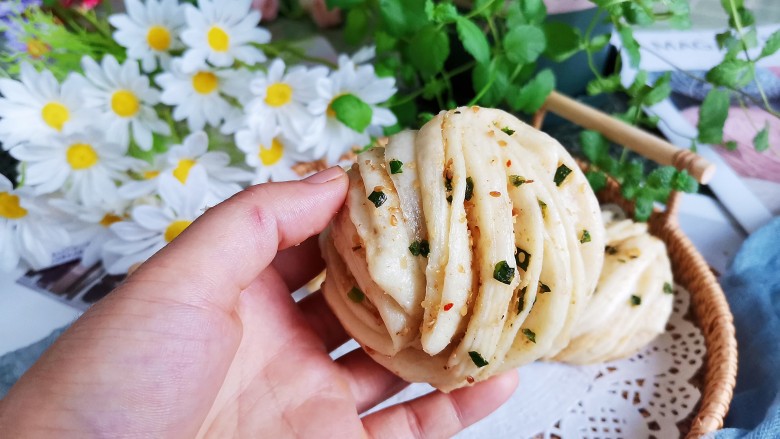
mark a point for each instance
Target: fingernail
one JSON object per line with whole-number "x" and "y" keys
{"x": 325, "y": 176}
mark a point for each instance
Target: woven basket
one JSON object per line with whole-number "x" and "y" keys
{"x": 710, "y": 310}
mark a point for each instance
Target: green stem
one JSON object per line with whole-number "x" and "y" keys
{"x": 476, "y": 12}
{"x": 493, "y": 31}
{"x": 272, "y": 50}
{"x": 588, "y": 33}
{"x": 483, "y": 91}
{"x": 172, "y": 124}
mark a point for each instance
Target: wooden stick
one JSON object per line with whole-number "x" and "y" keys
{"x": 633, "y": 138}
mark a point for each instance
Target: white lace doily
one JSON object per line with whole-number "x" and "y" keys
{"x": 645, "y": 395}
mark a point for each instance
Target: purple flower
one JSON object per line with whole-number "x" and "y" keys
{"x": 12, "y": 9}
{"x": 10, "y": 14}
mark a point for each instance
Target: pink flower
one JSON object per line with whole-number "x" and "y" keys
{"x": 83, "y": 4}
{"x": 268, "y": 8}
{"x": 320, "y": 14}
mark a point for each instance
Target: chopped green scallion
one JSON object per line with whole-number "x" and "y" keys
{"x": 585, "y": 237}
{"x": 668, "y": 288}
{"x": 543, "y": 288}
{"x": 517, "y": 180}
{"x": 396, "y": 166}
{"x": 469, "y": 188}
{"x": 508, "y": 131}
{"x": 530, "y": 335}
{"x": 378, "y": 198}
{"x": 476, "y": 357}
{"x": 635, "y": 300}
{"x": 543, "y": 206}
{"x": 420, "y": 248}
{"x": 561, "y": 173}
{"x": 503, "y": 272}
{"x": 356, "y": 295}
{"x": 523, "y": 258}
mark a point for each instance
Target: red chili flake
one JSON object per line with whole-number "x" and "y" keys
{"x": 448, "y": 307}
{"x": 495, "y": 194}
{"x": 508, "y": 163}
{"x": 470, "y": 379}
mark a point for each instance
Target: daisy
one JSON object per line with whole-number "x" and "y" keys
{"x": 151, "y": 227}
{"x": 148, "y": 179}
{"x": 201, "y": 97}
{"x": 192, "y": 154}
{"x": 92, "y": 225}
{"x": 221, "y": 32}
{"x": 124, "y": 99}
{"x": 282, "y": 98}
{"x": 37, "y": 107}
{"x": 268, "y": 153}
{"x": 362, "y": 82}
{"x": 149, "y": 31}
{"x": 29, "y": 231}
{"x": 85, "y": 167}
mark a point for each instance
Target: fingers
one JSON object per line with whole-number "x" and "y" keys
{"x": 299, "y": 264}
{"x": 369, "y": 382}
{"x": 323, "y": 321}
{"x": 441, "y": 414}
{"x": 226, "y": 248}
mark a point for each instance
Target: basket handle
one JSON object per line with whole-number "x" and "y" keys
{"x": 633, "y": 138}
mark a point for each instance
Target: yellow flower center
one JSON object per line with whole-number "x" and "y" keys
{"x": 148, "y": 175}
{"x": 269, "y": 156}
{"x": 55, "y": 115}
{"x": 109, "y": 219}
{"x": 9, "y": 206}
{"x": 205, "y": 82}
{"x": 37, "y": 48}
{"x": 182, "y": 170}
{"x": 159, "y": 38}
{"x": 81, "y": 156}
{"x": 219, "y": 40}
{"x": 125, "y": 103}
{"x": 175, "y": 228}
{"x": 278, "y": 94}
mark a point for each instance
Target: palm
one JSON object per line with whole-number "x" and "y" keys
{"x": 205, "y": 340}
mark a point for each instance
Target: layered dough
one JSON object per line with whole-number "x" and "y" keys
{"x": 467, "y": 248}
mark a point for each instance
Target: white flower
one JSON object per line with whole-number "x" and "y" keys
{"x": 124, "y": 99}
{"x": 148, "y": 174}
{"x": 199, "y": 97}
{"x": 85, "y": 167}
{"x": 221, "y": 32}
{"x": 362, "y": 82}
{"x": 37, "y": 107}
{"x": 149, "y": 31}
{"x": 282, "y": 100}
{"x": 151, "y": 227}
{"x": 92, "y": 226}
{"x": 28, "y": 229}
{"x": 269, "y": 153}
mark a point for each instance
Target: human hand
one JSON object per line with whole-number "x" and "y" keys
{"x": 205, "y": 340}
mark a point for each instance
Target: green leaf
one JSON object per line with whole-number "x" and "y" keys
{"x": 761, "y": 141}
{"x": 771, "y": 45}
{"x": 597, "y": 43}
{"x": 428, "y": 50}
{"x": 712, "y": 115}
{"x": 384, "y": 42}
{"x": 605, "y": 84}
{"x": 630, "y": 45}
{"x": 660, "y": 90}
{"x": 734, "y": 73}
{"x": 731, "y": 145}
{"x": 499, "y": 69}
{"x": 525, "y": 12}
{"x": 344, "y": 4}
{"x": 524, "y": 44}
{"x": 661, "y": 177}
{"x": 643, "y": 207}
{"x": 597, "y": 180}
{"x": 532, "y": 96}
{"x": 402, "y": 17}
{"x": 356, "y": 26}
{"x": 594, "y": 146}
{"x": 563, "y": 41}
{"x": 488, "y": 7}
{"x": 352, "y": 112}
{"x": 682, "y": 181}
{"x": 441, "y": 13}
{"x": 473, "y": 39}
{"x": 634, "y": 13}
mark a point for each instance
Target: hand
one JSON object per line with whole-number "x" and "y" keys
{"x": 204, "y": 339}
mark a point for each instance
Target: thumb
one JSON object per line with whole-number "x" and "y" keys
{"x": 218, "y": 256}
